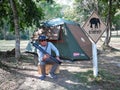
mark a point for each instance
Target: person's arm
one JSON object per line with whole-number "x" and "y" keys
{"x": 55, "y": 50}
{"x": 39, "y": 55}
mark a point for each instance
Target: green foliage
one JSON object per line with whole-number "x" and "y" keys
{"x": 104, "y": 7}
{"x": 5, "y": 12}
{"x": 83, "y": 9}
{"x": 116, "y": 22}
{"x": 29, "y": 14}
{"x": 84, "y": 76}
{"x": 50, "y": 10}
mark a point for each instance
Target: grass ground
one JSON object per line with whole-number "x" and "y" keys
{"x": 10, "y": 44}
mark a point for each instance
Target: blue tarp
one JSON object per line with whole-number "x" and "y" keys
{"x": 58, "y": 21}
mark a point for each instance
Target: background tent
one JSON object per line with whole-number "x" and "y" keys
{"x": 71, "y": 40}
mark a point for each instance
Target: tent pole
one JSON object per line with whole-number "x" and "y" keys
{"x": 95, "y": 62}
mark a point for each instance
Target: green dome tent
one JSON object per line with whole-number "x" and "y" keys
{"x": 71, "y": 41}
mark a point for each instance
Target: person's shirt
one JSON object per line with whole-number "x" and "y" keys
{"x": 48, "y": 48}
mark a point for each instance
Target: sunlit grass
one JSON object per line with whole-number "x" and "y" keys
{"x": 10, "y": 44}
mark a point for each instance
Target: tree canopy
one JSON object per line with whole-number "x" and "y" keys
{"x": 29, "y": 14}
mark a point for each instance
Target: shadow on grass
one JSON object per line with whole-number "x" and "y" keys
{"x": 81, "y": 80}
{"x": 65, "y": 79}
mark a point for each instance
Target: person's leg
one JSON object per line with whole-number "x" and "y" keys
{"x": 54, "y": 67}
{"x": 43, "y": 74}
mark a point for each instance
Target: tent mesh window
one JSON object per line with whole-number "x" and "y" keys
{"x": 53, "y": 33}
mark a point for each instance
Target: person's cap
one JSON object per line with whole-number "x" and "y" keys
{"x": 42, "y": 37}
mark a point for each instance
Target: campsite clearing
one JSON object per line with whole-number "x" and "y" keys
{"x": 73, "y": 75}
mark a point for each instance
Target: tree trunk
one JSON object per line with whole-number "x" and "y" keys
{"x": 108, "y": 31}
{"x": 17, "y": 34}
{"x": 96, "y": 5}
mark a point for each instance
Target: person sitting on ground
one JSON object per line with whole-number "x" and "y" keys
{"x": 45, "y": 58}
